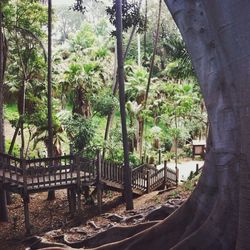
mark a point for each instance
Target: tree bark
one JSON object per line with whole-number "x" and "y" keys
{"x": 115, "y": 83}
{"x": 51, "y": 193}
{"x": 3, "y": 202}
{"x": 120, "y": 72}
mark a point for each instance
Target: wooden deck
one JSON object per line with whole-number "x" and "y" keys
{"x": 39, "y": 175}
{"x": 74, "y": 173}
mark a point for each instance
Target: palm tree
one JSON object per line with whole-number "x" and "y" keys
{"x": 179, "y": 64}
{"x": 83, "y": 81}
{"x": 134, "y": 110}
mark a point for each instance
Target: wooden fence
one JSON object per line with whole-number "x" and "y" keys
{"x": 35, "y": 175}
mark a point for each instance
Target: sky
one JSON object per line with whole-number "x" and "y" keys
{"x": 62, "y": 2}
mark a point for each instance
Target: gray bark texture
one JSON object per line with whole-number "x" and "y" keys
{"x": 120, "y": 75}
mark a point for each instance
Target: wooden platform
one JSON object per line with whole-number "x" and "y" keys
{"x": 39, "y": 175}
{"x": 27, "y": 176}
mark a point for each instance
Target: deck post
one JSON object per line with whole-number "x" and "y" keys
{"x": 197, "y": 169}
{"x": 25, "y": 198}
{"x": 23, "y": 167}
{"x": 148, "y": 181}
{"x": 26, "y": 214}
{"x": 142, "y": 159}
{"x": 98, "y": 181}
{"x": 79, "y": 201}
{"x": 177, "y": 176}
{"x": 79, "y": 188}
{"x": 69, "y": 200}
{"x": 72, "y": 200}
{"x": 159, "y": 155}
{"x": 165, "y": 175}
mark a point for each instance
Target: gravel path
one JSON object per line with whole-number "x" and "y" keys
{"x": 185, "y": 167}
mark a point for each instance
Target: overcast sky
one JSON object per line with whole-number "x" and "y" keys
{"x": 62, "y": 2}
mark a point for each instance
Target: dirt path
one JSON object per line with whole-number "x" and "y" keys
{"x": 46, "y": 216}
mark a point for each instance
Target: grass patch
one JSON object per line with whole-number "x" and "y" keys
{"x": 11, "y": 112}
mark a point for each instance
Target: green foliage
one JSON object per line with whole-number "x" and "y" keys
{"x": 105, "y": 104}
{"x": 187, "y": 150}
{"x": 38, "y": 119}
{"x": 24, "y": 22}
{"x": 85, "y": 38}
{"x": 136, "y": 82}
{"x": 130, "y": 16}
{"x": 101, "y": 53}
{"x": 80, "y": 131}
{"x": 167, "y": 143}
{"x": 11, "y": 113}
{"x": 83, "y": 73}
{"x": 179, "y": 63}
{"x": 80, "y": 6}
{"x": 134, "y": 160}
{"x": 16, "y": 149}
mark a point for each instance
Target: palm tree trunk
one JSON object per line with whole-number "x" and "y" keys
{"x": 150, "y": 75}
{"x": 139, "y": 50}
{"x": 51, "y": 194}
{"x": 50, "y": 126}
{"x": 127, "y": 170}
{"x": 23, "y": 91}
{"x": 145, "y": 32}
{"x": 3, "y": 202}
{"x": 12, "y": 144}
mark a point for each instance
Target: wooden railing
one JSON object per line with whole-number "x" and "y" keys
{"x": 172, "y": 175}
{"x": 59, "y": 172}
{"x": 139, "y": 177}
{"x": 48, "y": 172}
{"x": 87, "y": 168}
{"x": 112, "y": 171}
{"x": 11, "y": 169}
{"x": 156, "y": 179}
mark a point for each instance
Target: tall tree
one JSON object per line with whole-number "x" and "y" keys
{"x": 25, "y": 68}
{"x": 3, "y": 203}
{"x": 51, "y": 194}
{"x": 120, "y": 73}
{"x": 115, "y": 84}
{"x": 50, "y": 126}
{"x": 150, "y": 75}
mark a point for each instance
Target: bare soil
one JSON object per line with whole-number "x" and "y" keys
{"x": 46, "y": 215}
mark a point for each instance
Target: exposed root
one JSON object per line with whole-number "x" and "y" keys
{"x": 57, "y": 248}
{"x": 49, "y": 245}
{"x": 208, "y": 219}
{"x": 113, "y": 235}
